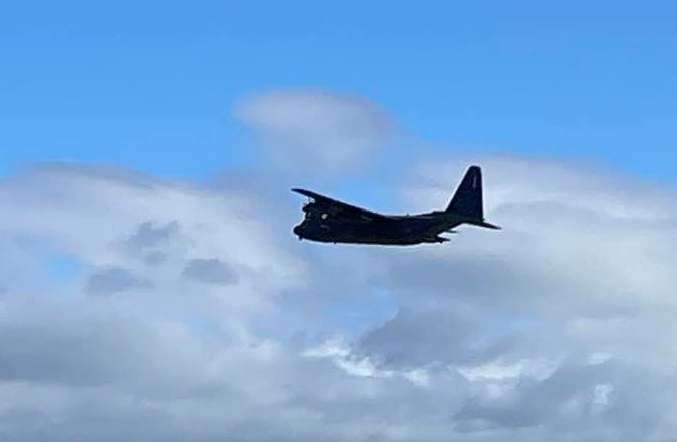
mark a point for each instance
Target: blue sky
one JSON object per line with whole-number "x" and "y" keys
{"x": 152, "y": 86}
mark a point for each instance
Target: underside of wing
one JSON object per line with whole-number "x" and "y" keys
{"x": 339, "y": 208}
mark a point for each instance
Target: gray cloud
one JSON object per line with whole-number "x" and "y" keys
{"x": 149, "y": 235}
{"x": 115, "y": 280}
{"x": 210, "y": 271}
{"x": 403, "y": 342}
{"x": 152, "y": 242}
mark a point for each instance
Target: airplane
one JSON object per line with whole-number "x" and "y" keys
{"x": 332, "y": 221}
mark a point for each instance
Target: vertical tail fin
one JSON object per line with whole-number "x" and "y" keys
{"x": 467, "y": 200}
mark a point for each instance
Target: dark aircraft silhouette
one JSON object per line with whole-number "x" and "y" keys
{"x": 329, "y": 220}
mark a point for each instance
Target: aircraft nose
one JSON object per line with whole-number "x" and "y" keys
{"x": 297, "y": 230}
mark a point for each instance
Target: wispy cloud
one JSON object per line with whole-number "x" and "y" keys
{"x": 314, "y": 129}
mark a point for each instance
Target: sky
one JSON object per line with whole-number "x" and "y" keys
{"x": 152, "y": 86}
{"x": 150, "y": 285}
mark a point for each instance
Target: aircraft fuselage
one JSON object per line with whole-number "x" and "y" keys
{"x": 388, "y": 230}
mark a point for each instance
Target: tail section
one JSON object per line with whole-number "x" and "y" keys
{"x": 467, "y": 201}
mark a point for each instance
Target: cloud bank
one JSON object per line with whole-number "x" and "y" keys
{"x": 137, "y": 308}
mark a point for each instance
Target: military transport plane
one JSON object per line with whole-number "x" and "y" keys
{"x": 329, "y": 220}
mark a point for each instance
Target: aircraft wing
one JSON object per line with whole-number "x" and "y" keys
{"x": 339, "y": 208}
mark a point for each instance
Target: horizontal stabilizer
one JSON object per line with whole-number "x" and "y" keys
{"x": 483, "y": 224}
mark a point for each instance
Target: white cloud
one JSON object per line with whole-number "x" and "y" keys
{"x": 495, "y": 370}
{"x": 559, "y": 327}
{"x": 319, "y": 131}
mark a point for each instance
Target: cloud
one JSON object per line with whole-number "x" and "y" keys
{"x": 319, "y": 130}
{"x": 560, "y": 327}
{"x": 151, "y": 242}
{"x": 210, "y": 271}
{"x": 114, "y": 280}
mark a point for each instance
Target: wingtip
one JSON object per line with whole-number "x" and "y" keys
{"x": 304, "y": 192}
